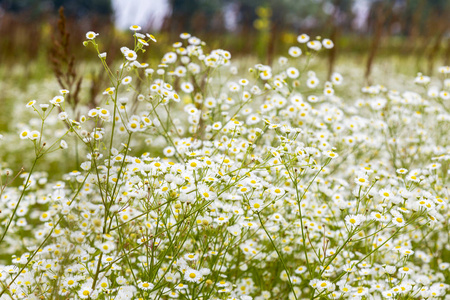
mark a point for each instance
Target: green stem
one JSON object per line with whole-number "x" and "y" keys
{"x": 279, "y": 255}
{"x": 18, "y": 202}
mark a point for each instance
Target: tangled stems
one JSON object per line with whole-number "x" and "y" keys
{"x": 299, "y": 199}
{"x": 39, "y": 153}
{"x": 235, "y": 160}
{"x": 39, "y": 248}
{"x": 278, "y": 253}
{"x": 20, "y": 199}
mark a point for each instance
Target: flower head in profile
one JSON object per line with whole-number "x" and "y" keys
{"x": 144, "y": 285}
{"x": 135, "y": 27}
{"x": 151, "y": 37}
{"x": 90, "y": 35}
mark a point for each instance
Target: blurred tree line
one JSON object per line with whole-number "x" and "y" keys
{"x": 413, "y": 27}
{"x": 410, "y": 27}
{"x": 75, "y": 8}
{"x": 409, "y": 17}
{"x": 27, "y": 27}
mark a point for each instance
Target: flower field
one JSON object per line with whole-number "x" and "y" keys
{"x": 202, "y": 177}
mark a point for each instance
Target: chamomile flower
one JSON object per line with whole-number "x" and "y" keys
{"x": 134, "y": 126}
{"x": 312, "y": 82}
{"x": 126, "y": 80}
{"x": 151, "y": 37}
{"x": 377, "y": 216}
{"x": 256, "y": 204}
{"x": 314, "y": 45}
{"x": 169, "y": 151}
{"x": 413, "y": 177}
{"x": 130, "y": 55}
{"x": 328, "y": 91}
{"x": 295, "y": 51}
{"x": 362, "y": 179}
{"x": 85, "y": 291}
{"x": 135, "y": 27}
{"x": 31, "y": 103}
{"x": 34, "y": 135}
{"x": 90, "y": 35}
{"x": 185, "y": 36}
{"x": 192, "y": 275}
{"x": 292, "y": 72}
{"x": 24, "y": 134}
{"x": 421, "y": 79}
{"x": 303, "y": 38}
{"x": 336, "y": 78}
{"x": 57, "y": 100}
{"x": 109, "y": 91}
{"x": 190, "y": 256}
{"x": 187, "y": 87}
{"x": 145, "y": 285}
{"x": 354, "y": 220}
{"x": 405, "y": 270}
{"x": 398, "y": 220}
{"x": 143, "y": 42}
{"x": 331, "y": 154}
{"x": 402, "y": 171}
{"x": 327, "y": 43}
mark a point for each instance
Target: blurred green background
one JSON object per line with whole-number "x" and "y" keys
{"x": 397, "y": 27}
{"x": 409, "y": 36}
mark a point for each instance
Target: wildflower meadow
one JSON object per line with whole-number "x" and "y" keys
{"x": 202, "y": 177}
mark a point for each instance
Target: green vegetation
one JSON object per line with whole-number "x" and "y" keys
{"x": 143, "y": 167}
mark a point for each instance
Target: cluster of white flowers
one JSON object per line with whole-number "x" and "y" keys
{"x": 252, "y": 185}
